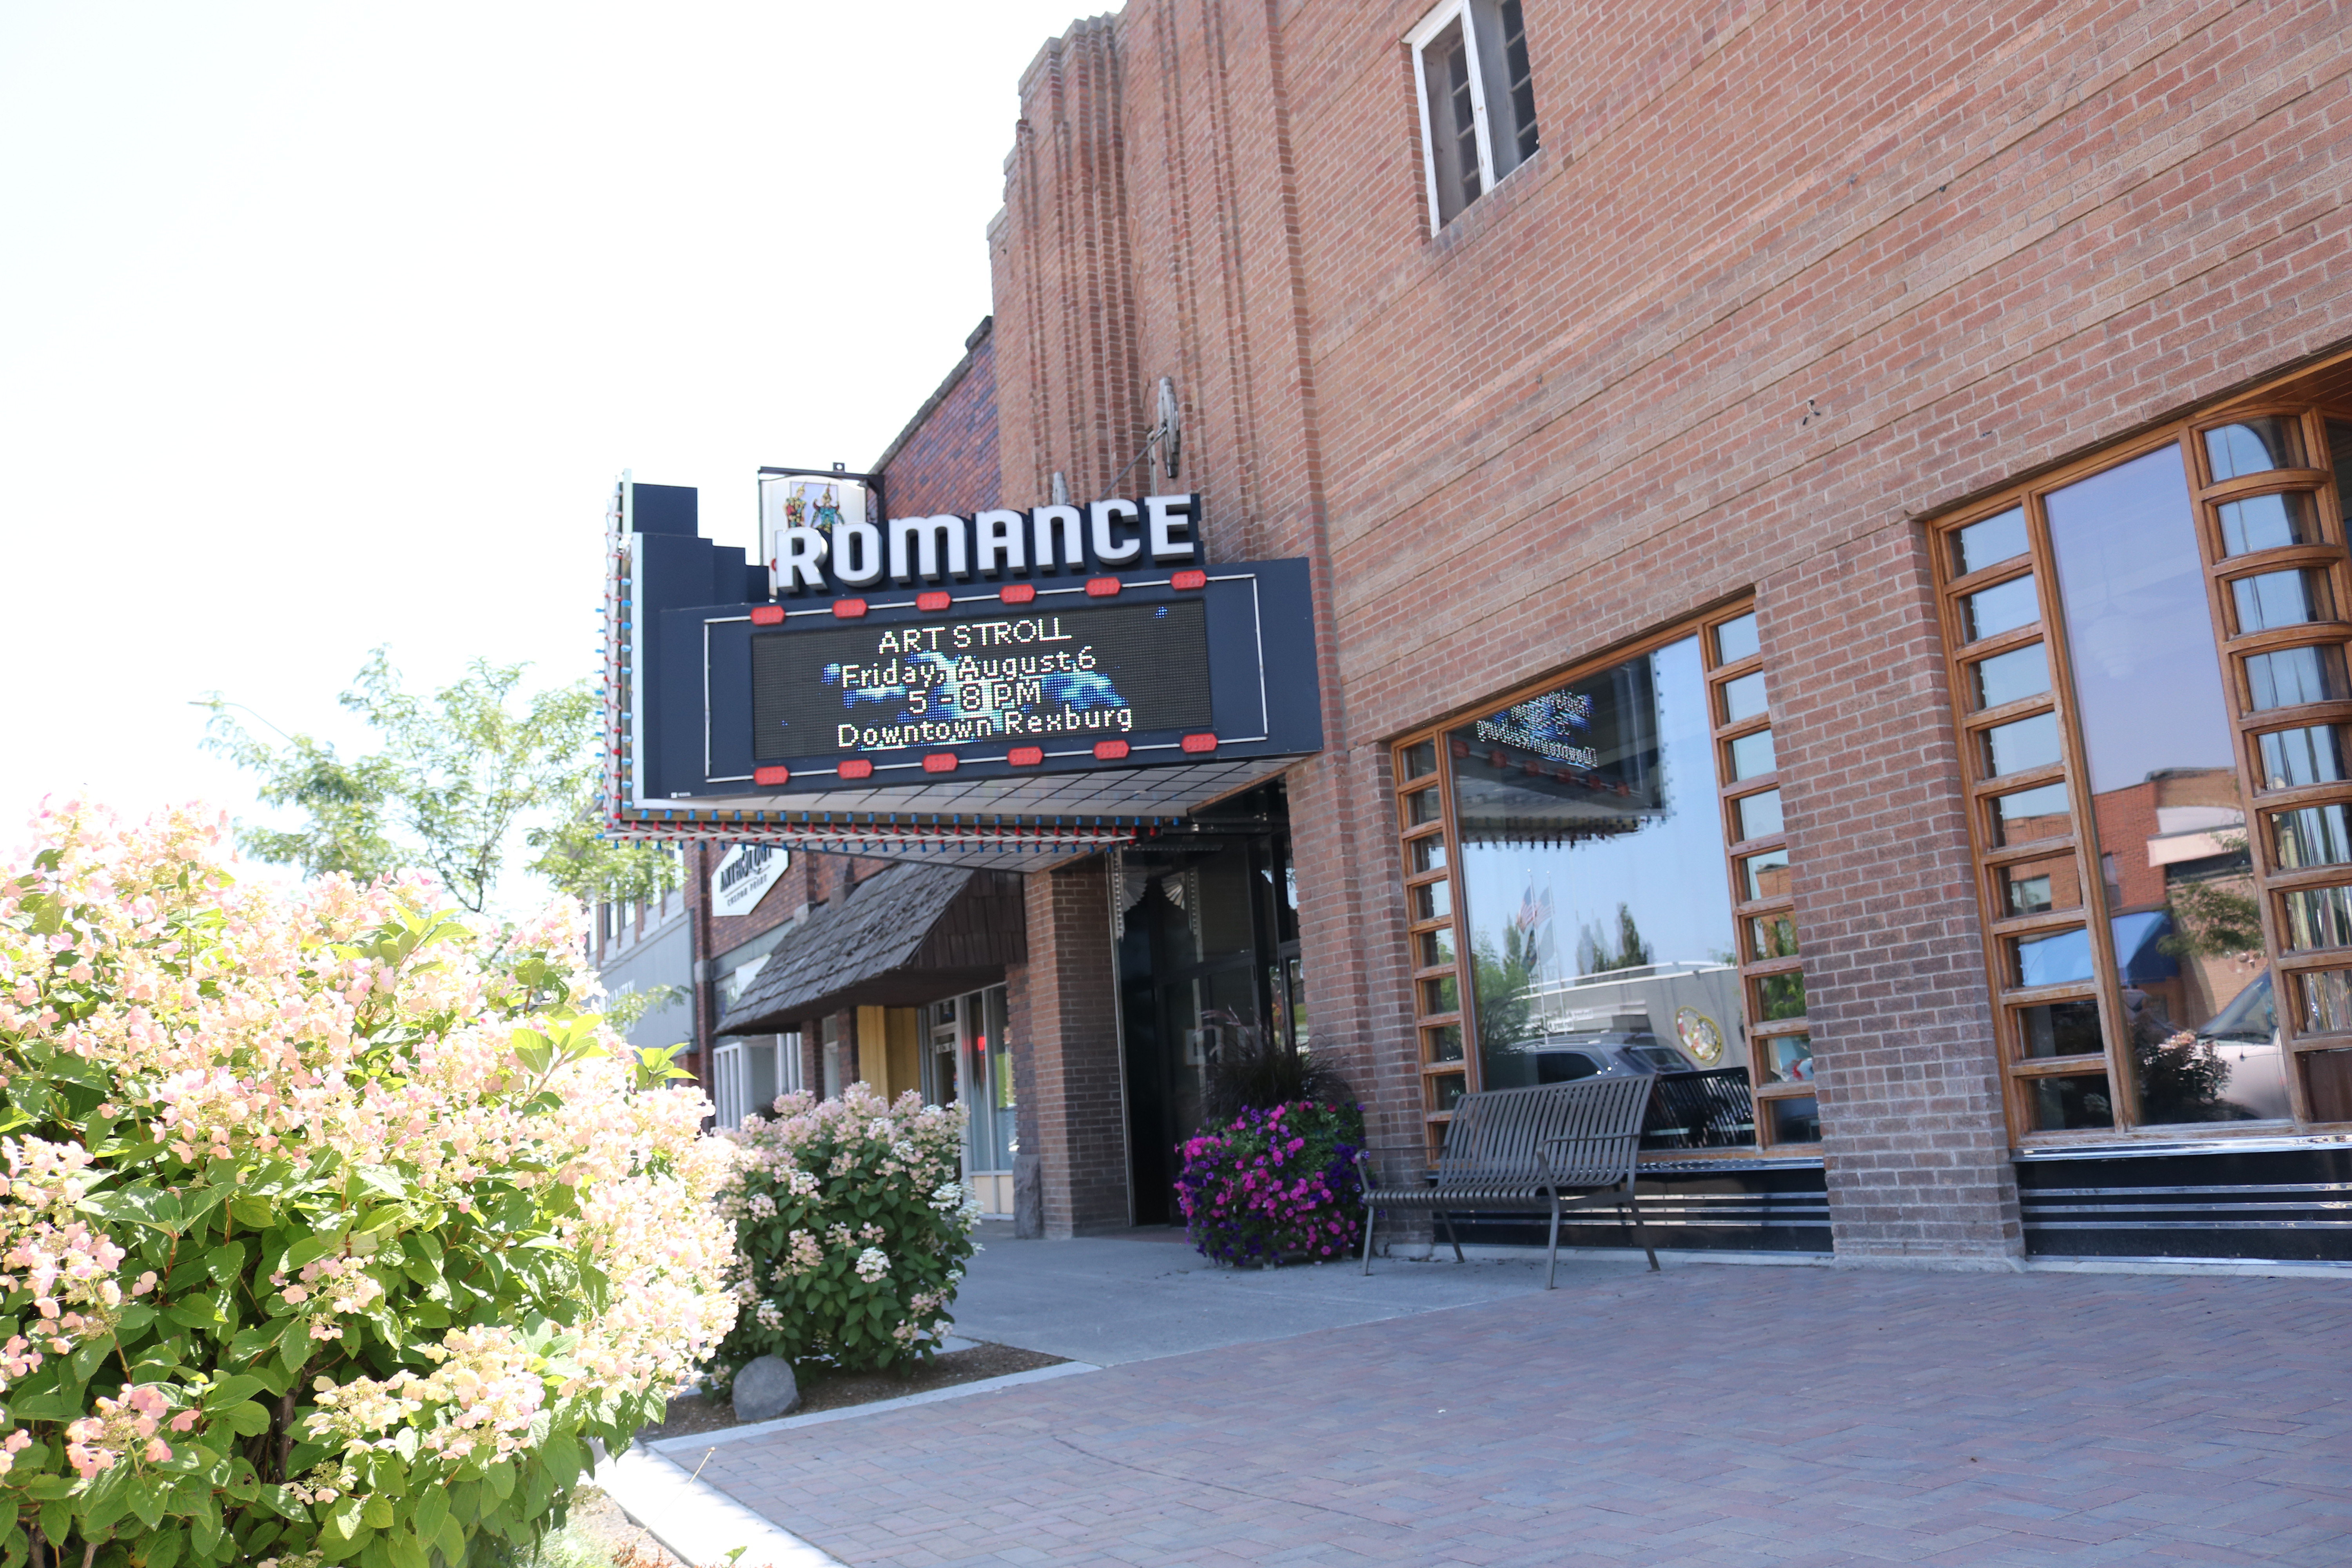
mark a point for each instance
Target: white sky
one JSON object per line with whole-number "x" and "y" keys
{"x": 327, "y": 326}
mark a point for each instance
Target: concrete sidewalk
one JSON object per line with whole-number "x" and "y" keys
{"x": 1708, "y": 1416}
{"x": 1137, "y": 1295}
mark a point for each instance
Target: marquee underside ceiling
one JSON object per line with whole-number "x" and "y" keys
{"x": 1000, "y": 823}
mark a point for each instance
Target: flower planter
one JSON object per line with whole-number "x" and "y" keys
{"x": 1275, "y": 1187}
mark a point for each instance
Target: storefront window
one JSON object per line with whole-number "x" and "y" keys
{"x": 2163, "y": 675}
{"x": 1594, "y": 898}
{"x": 1614, "y": 846}
{"x": 989, "y": 1141}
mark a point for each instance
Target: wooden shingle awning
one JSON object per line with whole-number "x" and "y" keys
{"x": 904, "y": 937}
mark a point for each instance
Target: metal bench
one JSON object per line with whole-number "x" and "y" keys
{"x": 1711, "y": 1110}
{"x": 1547, "y": 1150}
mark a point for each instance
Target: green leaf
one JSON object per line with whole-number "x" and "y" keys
{"x": 248, "y": 1419}
{"x": 51, "y": 1406}
{"x": 432, "y": 1508}
{"x": 205, "y": 1526}
{"x": 406, "y": 1550}
{"x": 237, "y": 1387}
{"x": 285, "y": 1504}
{"x": 226, "y": 1264}
{"x": 164, "y": 1548}
{"x": 377, "y": 1514}
{"x": 451, "y": 1539}
{"x": 343, "y": 1517}
{"x": 251, "y": 1344}
{"x": 147, "y": 1500}
{"x": 501, "y": 1478}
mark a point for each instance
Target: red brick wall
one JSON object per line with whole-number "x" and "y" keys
{"x": 1063, "y": 1007}
{"x": 950, "y": 462}
{"x": 1780, "y": 280}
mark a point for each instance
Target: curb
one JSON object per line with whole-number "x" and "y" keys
{"x": 696, "y": 1442}
{"x": 697, "y": 1523}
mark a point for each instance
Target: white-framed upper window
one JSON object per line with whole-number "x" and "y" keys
{"x": 1477, "y": 99}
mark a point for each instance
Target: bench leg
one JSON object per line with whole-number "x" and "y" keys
{"x": 1629, "y": 1214}
{"x": 1551, "y": 1259}
{"x": 1372, "y": 1217}
{"x": 1446, "y": 1220}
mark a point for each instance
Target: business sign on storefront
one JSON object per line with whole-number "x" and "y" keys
{"x": 744, "y": 875}
{"x": 880, "y": 664}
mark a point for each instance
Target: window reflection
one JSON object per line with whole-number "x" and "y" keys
{"x": 2003, "y": 607}
{"x": 2010, "y": 677}
{"x": 2319, "y": 917}
{"x": 2281, "y": 599}
{"x": 2326, "y": 1001}
{"x": 2254, "y": 446}
{"x": 2059, "y": 1029}
{"x": 2030, "y": 816}
{"x": 2294, "y": 676}
{"x": 2059, "y": 959}
{"x": 2040, "y": 886}
{"x": 2310, "y": 755}
{"x": 1760, "y": 815}
{"x": 1796, "y": 1120}
{"x": 1990, "y": 543}
{"x": 2018, "y": 747}
{"x": 1787, "y": 1059}
{"x": 1751, "y": 756}
{"x": 1591, "y": 851}
{"x": 1743, "y": 698}
{"x": 2313, "y": 836}
{"x": 2166, "y": 813}
{"x": 1766, "y": 876}
{"x": 1735, "y": 639}
{"x": 1771, "y": 936}
{"x": 2069, "y": 1104}
{"x": 2268, "y": 522}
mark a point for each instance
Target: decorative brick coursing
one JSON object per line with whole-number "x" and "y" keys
{"x": 1063, "y": 1005}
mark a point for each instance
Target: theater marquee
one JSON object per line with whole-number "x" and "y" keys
{"x": 900, "y": 667}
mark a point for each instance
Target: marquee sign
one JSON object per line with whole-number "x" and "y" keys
{"x": 1030, "y": 668}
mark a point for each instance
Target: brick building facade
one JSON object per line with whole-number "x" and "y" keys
{"x": 1757, "y": 311}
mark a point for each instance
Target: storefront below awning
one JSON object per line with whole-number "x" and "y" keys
{"x": 906, "y": 936}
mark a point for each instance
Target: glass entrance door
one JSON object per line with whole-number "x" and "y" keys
{"x": 1207, "y": 949}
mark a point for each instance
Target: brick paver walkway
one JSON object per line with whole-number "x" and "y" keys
{"x": 1709, "y": 1416}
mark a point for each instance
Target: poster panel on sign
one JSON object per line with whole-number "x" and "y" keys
{"x": 821, "y": 501}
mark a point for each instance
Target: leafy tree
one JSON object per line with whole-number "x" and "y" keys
{"x": 1598, "y": 955}
{"x": 2213, "y": 919}
{"x": 1506, "y": 1010}
{"x": 459, "y": 775}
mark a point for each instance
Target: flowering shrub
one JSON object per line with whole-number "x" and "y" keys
{"x": 1277, "y": 1183}
{"x": 852, "y": 1226}
{"x": 328, "y": 1235}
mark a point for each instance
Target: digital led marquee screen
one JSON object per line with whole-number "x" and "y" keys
{"x": 1081, "y": 675}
